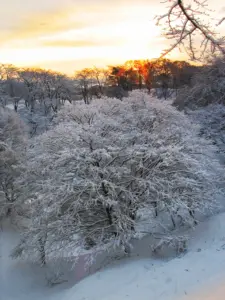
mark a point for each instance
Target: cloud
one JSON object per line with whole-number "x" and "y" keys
{"x": 82, "y": 43}
{"x": 38, "y": 25}
{"x": 24, "y": 19}
{"x": 33, "y": 32}
{"x": 41, "y": 20}
{"x": 65, "y": 43}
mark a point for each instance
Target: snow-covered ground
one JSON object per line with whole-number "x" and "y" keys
{"x": 198, "y": 275}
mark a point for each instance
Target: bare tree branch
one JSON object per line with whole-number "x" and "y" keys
{"x": 184, "y": 23}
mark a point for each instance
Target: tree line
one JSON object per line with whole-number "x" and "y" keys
{"x": 51, "y": 89}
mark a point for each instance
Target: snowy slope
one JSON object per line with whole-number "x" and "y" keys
{"x": 202, "y": 266}
{"x": 200, "y": 271}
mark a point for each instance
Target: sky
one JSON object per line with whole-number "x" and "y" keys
{"x": 68, "y": 35}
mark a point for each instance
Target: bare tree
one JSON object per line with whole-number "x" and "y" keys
{"x": 85, "y": 82}
{"x": 186, "y": 23}
{"x": 49, "y": 89}
{"x": 10, "y": 87}
{"x": 55, "y": 90}
{"x": 99, "y": 77}
{"x": 30, "y": 79}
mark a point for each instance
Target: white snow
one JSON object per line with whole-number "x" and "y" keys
{"x": 202, "y": 266}
{"x": 198, "y": 275}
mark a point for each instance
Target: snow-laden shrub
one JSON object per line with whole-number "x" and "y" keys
{"x": 208, "y": 87}
{"x": 12, "y": 129}
{"x": 12, "y": 151}
{"x": 212, "y": 122}
{"x": 102, "y": 164}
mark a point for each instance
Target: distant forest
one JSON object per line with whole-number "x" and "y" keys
{"x": 34, "y": 84}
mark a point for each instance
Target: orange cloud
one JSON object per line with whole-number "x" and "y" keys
{"x": 42, "y": 24}
{"x": 60, "y": 17}
{"x": 52, "y": 32}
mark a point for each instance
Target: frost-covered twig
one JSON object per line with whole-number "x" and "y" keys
{"x": 183, "y": 23}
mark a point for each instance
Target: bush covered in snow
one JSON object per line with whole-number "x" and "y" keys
{"x": 208, "y": 87}
{"x": 212, "y": 122}
{"x": 12, "y": 151}
{"x": 204, "y": 102}
{"x": 90, "y": 177}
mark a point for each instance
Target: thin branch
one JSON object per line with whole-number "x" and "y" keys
{"x": 191, "y": 23}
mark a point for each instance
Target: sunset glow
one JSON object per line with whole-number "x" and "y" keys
{"x": 73, "y": 34}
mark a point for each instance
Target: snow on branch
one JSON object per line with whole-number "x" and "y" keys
{"x": 89, "y": 181}
{"x": 12, "y": 150}
{"x": 208, "y": 87}
{"x": 187, "y": 25}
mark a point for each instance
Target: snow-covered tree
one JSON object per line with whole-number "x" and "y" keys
{"x": 212, "y": 122}
{"x": 91, "y": 177}
{"x": 208, "y": 87}
{"x": 50, "y": 89}
{"x": 12, "y": 151}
